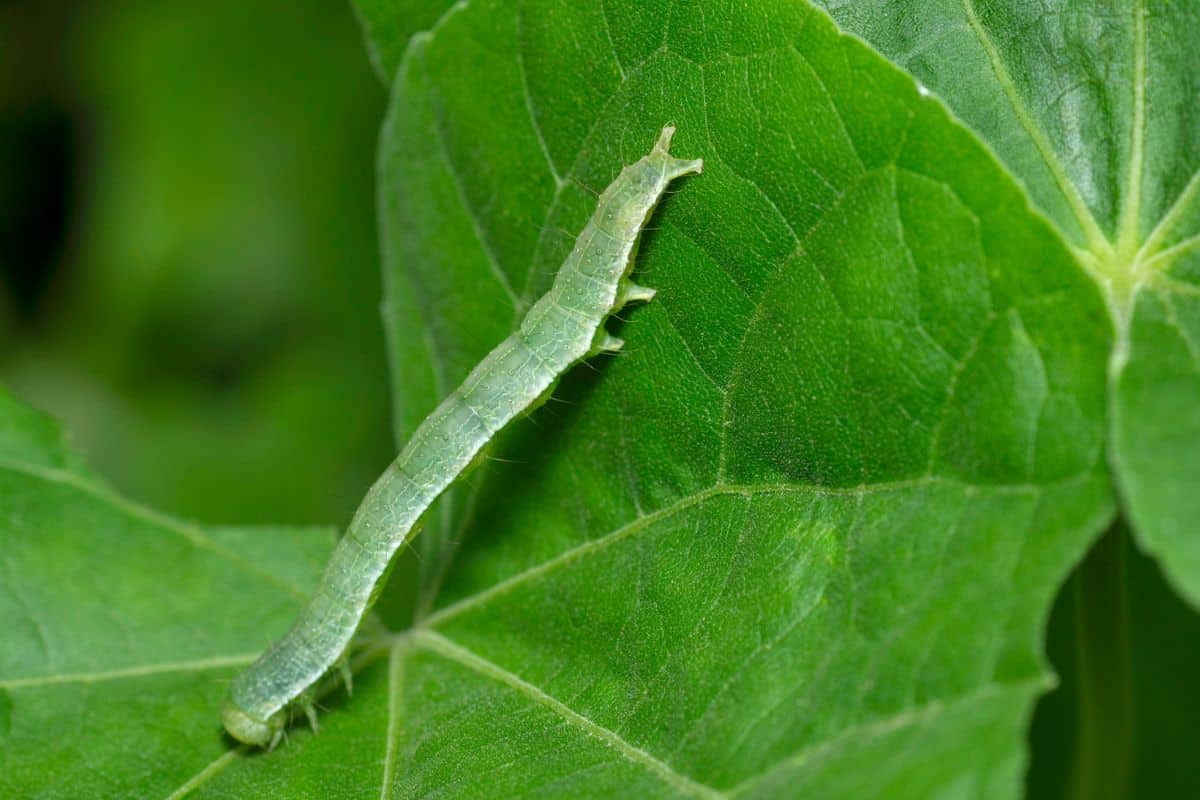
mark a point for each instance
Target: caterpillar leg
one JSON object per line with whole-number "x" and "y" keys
{"x": 310, "y": 711}
{"x": 606, "y": 343}
{"x": 630, "y": 292}
{"x": 346, "y": 674}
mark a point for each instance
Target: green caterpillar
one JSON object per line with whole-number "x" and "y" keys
{"x": 562, "y": 328}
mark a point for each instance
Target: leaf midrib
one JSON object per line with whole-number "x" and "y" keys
{"x": 1097, "y": 241}
{"x": 1126, "y": 263}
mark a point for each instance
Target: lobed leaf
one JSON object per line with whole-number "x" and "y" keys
{"x": 122, "y": 625}
{"x": 1095, "y": 108}
{"x": 813, "y": 519}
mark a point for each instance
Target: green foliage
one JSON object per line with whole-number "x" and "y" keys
{"x": 219, "y": 294}
{"x": 802, "y": 538}
{"x": 1096, "y": 113}
{"x": 123, "y": 625}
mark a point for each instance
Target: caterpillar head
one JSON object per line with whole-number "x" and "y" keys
{"x": 248, "y": 729}
{"x": 671, "y": 166}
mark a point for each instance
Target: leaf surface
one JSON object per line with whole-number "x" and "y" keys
{"x": 801, "y": 537}
{"x": 1097, "y": 110}
{"x": 122, "y": 626}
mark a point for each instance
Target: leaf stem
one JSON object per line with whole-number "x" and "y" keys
{"x": 1104, "y": 746}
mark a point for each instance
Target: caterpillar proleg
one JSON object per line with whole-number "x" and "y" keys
{"x": 565, "y": 326}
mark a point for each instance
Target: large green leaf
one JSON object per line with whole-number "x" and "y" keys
{"x": 1096, "y": 107}
{"x": 803, "y": 535}
{"x": 122, "y": 626}
{"x": 800, "y": 539}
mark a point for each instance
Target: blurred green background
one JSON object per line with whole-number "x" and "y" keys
{"x": 187, "y": 244}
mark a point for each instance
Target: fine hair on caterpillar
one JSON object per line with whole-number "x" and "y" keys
{"x": 564, "y": 327}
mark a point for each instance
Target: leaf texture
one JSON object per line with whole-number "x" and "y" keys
{"x": 122, "y": 625}
{"x": 1096, "y": 108}
{"x": 800, "y": 539}
{"x": 813, "y": 519}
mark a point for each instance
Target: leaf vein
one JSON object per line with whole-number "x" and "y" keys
{"x": 141, "y": 670}
{"x": 1087, "y": 222}
{"x": 446, "y": 648}
{"x": 191, "y": 533}
{"x": 399, "y": 650}
{"x": 878, "y": 728}
{"x": 638, "y": 524}
{"x": 201, "y": 777}
{"x": 1169, "y": 220}
{"x": 476, "y": 225}
{"x": 528, "y": 98}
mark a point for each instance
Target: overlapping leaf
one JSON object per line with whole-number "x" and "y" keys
{"x": 122, "y": 626}
{"x": 1097, "y": 109}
